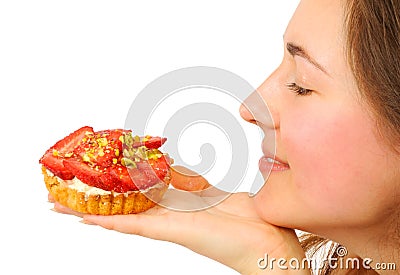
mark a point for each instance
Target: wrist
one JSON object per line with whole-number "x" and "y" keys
{"x": 289, "y": 258}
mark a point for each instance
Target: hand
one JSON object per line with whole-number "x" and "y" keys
{"x": 230, "y": 232}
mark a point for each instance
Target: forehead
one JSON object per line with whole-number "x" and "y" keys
{"x": 317, "y": 26}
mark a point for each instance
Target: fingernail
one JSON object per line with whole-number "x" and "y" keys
{"x": 86, "y": 222}
{"x": 55, "y": 210}
{"x": 50, "y": 198}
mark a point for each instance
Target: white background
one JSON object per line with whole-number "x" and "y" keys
{"x": 65, "y": 64}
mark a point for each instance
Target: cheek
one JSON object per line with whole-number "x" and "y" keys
{"x": 336, "y": 163}
{"x": 315, "y": 146}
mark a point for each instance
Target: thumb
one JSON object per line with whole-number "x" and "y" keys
{"x": 185, "y": 179}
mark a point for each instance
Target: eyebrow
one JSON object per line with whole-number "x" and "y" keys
{"x": 299, "y": 51}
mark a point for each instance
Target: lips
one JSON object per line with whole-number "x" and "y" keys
{"x": 269, "y": 164}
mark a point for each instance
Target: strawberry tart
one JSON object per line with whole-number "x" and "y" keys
{"x": 107, "y": 172}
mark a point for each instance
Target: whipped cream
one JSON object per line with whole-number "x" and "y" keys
{"x": 80, "y": 186}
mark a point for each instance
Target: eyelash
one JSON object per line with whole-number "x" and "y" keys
{"x": 298, "y": 90}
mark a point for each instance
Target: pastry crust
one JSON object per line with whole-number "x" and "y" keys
{"x": 110, "y": 204}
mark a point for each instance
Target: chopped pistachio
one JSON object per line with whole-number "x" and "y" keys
{"x": 102, "y": 142}
{"x": 126, "y": 153}
{"x": 115, "y": 160}
{"x": 68, "y": 155}
{"x": 154, "y": 154}
{"x": 128, "y": 163}
{"x": 141, "y": 152}
{"x": 117, "y": 152}
{"x": 101, "y": 153}
{"x": 55, "y": 153}
{"x": 86, "y": 158}
{"x": 127, "y": 139}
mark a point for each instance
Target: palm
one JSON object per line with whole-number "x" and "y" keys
{"x": 230, "y": 232}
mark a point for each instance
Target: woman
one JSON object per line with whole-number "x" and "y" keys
{"x": 335, "y": 102}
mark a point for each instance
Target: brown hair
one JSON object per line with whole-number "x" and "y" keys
{"x": 373, "y": 53}
{"x": 372, "y": 32}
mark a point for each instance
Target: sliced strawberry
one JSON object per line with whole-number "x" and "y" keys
{"x": 124, "y": 180}
{"x": 155, "y": 142}
{"x": 155, "y": 169}
{"x": 109, "y": 179}
{"x": 151, "y": 143}
{"x": 113, "y": 135}
{"x": 81, "y": 149}
{"x": 162, "y": 165}
{"x": 55, "y": 165}
{"x": 113, "y": 150}
{"x": 106, "y": 159}
{"x": 84, "y": 172}
{"x": 101, "y": 148}
{"x": 68, "y": 144}
{"x": 142, "y": 177}
{"x": 95, "y": 159}
{"x": 53, "y": 158}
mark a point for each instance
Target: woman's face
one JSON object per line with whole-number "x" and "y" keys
{"x": 335, "y": 172}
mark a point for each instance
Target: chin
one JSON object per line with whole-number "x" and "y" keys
{"x": 270, "y": 210}
{"x": 279, "y": 206}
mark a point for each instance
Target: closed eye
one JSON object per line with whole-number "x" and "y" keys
{"x": 298, "y": 89}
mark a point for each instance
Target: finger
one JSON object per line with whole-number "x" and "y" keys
{"x": 198, "y": 231}
{"x": 155, "y": 226}
{"x": 65, "y": 210}
{"x": 188, "y": 180}
{"x": 50, "y": 198}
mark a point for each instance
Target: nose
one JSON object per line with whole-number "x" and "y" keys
{"x": 260, "y": 106}
{"x": 245, "y": 112}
